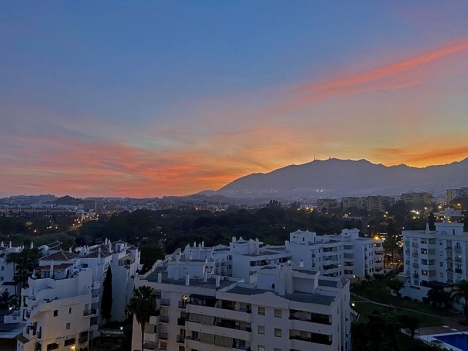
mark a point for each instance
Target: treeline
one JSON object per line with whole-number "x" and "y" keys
{"x": 177, "y": 228}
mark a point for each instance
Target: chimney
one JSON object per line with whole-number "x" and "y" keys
{"x": 177, "y": 267}
{"x": 218, "y": 281}
{"x": 289, "y": 279}
{"x": 301, "y": 264}
{"x": 187, "y": 279}
{"x": 159, "y": 277}
{"x": 205, "y": 276}
{"x": 51, "y": 273}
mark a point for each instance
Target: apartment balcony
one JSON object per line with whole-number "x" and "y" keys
{"x": 310, "y": 326}
{"x": 181, "y": 338}
{"x": 449, "y": 258}
{"x": 449, "y": 269}
{"x": 163, "y": 319}
{"x": 299, "y": 343}
{"x": 415, "y": 265}
{"x": 162, "y": 336}
{"x": 220, "y": 330}
{"x": 90, "y": 313}
{"x": 414, "y": 244}
{"x": 181, "y": 321}
{"x": 458, "y": 270}
{"x": 165, "y": 302}
{"x": 415, "y": 254}
{"x": 82, "y": 340}
{"x": 449, "y": 248}
{"x": 182, "y": 304}
{"x": 242, "y": 316}
{"x": 150, "y": 346}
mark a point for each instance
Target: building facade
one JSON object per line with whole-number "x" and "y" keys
{"x": 286, "y": 309}
{"x": 434, "y": 257}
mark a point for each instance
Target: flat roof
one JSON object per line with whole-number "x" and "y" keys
{"x": 315, "y": 298}
{"x": 210, "y": 283}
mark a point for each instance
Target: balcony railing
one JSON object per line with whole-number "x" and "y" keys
{"x": 163, "y": 319}
{"x": 458, "y": 270}
{"x": 165, "y": 302}
{"x": 162, "y": 336}
{"x": 180, "y": 338}
{"x": 89, "y": 312}
{"x": 182, "y": 304}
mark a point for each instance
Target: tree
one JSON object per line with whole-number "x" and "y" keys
{"x": 142, "y": 305}
{"x": 438, "y": 296}
{"x": 23, "y": 264}
{"x": 460, "y": 292}
{"x": 7, "y": 300}
{"x": 106, "y": 307}
{"x": 396, "y": 285}
{"x": 410, "y": 322}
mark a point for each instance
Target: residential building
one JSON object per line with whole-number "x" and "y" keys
{"x": 286, "y": 309}
{"x": 452, "y": 194}
{"x": 327, "y": 203}
{"x": 376, "y": 203}
{"x": 7, "y": 271}
{"x": 422, "y": 198}
{"x": 434, "y": 257}
{"x": 61, "y": 306}
{"x": 340, "y": 255}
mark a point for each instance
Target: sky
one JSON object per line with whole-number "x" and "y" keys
{"x": 154, "y": 98}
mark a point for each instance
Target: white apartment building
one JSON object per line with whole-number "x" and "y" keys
{"x": 61, "y": 306}
{"x": 430, "y": 257}
{"x": 285, "y": 309}
{"x": 340, "y": 255}
{"x": 7, "y": 271}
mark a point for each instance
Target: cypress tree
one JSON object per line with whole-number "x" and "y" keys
{"x": 106, "y": 306}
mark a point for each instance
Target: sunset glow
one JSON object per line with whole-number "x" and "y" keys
{"x": 145, "y": 99}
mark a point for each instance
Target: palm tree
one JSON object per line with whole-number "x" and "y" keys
{"x": 23, "y": 263}
{"x": 7, "y": 300}
{"x": 142, "y": 305}
{"x": 460, "y": 292}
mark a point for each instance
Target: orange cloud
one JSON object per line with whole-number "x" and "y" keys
{"x": 387, "y": 77}
{"x": 425, "y": 157}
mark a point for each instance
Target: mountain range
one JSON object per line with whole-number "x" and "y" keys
{"x": 335, "y": 177}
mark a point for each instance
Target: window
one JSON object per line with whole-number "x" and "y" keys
{"x": 69, "y": 310}
{"x": 261, "y": 329}
{"x": 55, "y": 313}
{"x": 441, "y": 264}
{"x": 52, "y": 346}
{"x": 67, "y": 326}
{"x": 278, "y": 333}
{"x": 278, "y": 313}
{"x": 261, "y": 348}
{"x": 261, "y": 311}
{"x": 70, "y": 342}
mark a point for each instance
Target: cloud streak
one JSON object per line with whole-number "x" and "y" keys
{"x": 389, "y": 77}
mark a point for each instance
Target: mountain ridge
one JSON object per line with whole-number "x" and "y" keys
{"x": 353, "y": 176}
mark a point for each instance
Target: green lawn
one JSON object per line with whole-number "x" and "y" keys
{"x": 366, "y": 308}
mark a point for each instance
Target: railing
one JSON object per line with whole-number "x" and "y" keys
{"x": 82, "y": 339}
{"x": 165, "y": 302}
{"x": 449, "y": 258}
{"x": 182, "y": 304}
{"x": 89, "y": 312}
{"x": 163, "y": 319}
{"x": 162, "y": 336}
{"x": 458, "y": 270}
{"x": 180, "y": 338}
